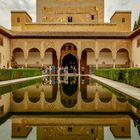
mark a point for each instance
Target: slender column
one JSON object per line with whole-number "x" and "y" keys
{"x": 26, "y": 100}
{"x": 26, "y": 54}
{"x": 26, "y": 63}
{"x": 42, "y": 53}
{"x": 96, "y": 63}
{"x": 79, "y": 64}
{"x": 114, "y": 63}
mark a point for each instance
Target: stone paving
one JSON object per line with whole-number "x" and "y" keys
{"x": 8, "y": 82}
{"x": 127, "y": 90}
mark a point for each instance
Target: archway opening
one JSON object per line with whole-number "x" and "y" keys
{"x": 18, "y": 96}
{"x": 88, "y": 61}
{"x": 18, "y": 58}
{"x": 122, "y": 59}
{"x": 50, "y": 57}
{"x": 34, "y": 93}
{"x": 34, "y": 59}
{"x": 105, "y": 58}
{"x": 70, "y": 61}
{"x": 69, "y": 57}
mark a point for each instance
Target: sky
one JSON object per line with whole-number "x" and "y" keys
{"x": 30, "y": 6}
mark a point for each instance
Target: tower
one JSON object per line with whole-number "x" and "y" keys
{"x": 70, "y": 11}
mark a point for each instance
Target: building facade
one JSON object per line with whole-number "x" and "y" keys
{"x": 70, "y": 33}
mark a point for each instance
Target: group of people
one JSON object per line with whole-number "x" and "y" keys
{"x": 52, "y": 69}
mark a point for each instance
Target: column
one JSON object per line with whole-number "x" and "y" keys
{"x": 26, "y": 55}
{"x": 114, "y": 63}
{"x": 79, "y": 70}
{"x": 42, "y": 53}
{"x": 96, "y": 63}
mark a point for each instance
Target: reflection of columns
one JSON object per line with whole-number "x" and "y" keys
{"x": 114, "y": 103}
{"x": 42, "y": 97}
{"x": 58, "y": 99}
{"x": 26, "y": 100}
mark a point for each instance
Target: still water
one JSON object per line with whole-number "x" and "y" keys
{"x": 67, "y": 108}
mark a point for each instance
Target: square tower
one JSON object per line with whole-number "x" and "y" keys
{"x": 70, "y": 11}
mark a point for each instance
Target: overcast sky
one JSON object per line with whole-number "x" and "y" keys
{"x": 30, "y": 6}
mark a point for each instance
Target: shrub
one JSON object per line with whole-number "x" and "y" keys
{"x": 9, "y": 74}
{"x": 125, "y": 75}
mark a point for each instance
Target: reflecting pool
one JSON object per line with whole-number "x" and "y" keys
{"x": 72, "y": 108}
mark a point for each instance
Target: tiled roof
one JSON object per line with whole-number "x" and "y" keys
{"x": 45, "y": 34}
{"x": 71, "y": 34}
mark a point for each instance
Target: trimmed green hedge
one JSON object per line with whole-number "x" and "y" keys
{"x": 9, "y": 74}
{"x": 129, "y": 76}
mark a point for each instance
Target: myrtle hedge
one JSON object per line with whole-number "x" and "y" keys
{"x": 8, "y": 74}
{"x": 129, "y": 76}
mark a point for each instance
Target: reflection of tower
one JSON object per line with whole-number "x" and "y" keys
{"x": 69, "y": 92}
{"x": 20, "y": 130}
{"x": 86, "y": 132}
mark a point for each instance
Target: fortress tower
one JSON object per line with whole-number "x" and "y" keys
{"x": 70, "y": 11}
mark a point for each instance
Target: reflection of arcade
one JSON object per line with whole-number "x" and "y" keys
{"x": 71, "y": 128}
{"x": 69, "y": 92}
{"x": 88, "y": 89}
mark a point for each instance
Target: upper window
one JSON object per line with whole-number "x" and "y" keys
{"x": 1, "y": 41}
{"x": 18, "y": 19}
{"x": 138, "y": 43}
{"x": 69, "y": 19}
{"x": 123, "y": 20}
{"x": 92, "y": 17}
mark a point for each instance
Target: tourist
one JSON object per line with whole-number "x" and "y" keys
{"x": 83, "y": 70}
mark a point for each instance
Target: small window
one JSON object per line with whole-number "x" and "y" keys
{"x": 123, "y": 20}
{"x": 92, "y": 17}
{"x": 92, "y": 131}
{"x": 18, "y": 129}
{"x": 18, "y": 20}
{"x": 138, "y": 43}
{"x": 69, "y": 129}
{"x": 123, "y": 129}
{"x": 1, "y": 41}
{"x": 69, "y": 19}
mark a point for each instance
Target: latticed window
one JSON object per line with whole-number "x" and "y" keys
{"x": 69, "y": 19}
{"x": 1, "y": 41}
{"x": 123, "y": 20}
{"x": 92, "y": 17}
{"x": 18, "y": 19}
{"x": 138, "y": 43}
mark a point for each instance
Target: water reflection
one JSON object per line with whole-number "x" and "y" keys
{"x": 83, "y": 128}
{"x": 69, "y": 104}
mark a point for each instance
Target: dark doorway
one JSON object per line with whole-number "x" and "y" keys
{"x": 71, "y": 62}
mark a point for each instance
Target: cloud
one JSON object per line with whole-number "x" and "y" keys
{"x": 124, "y": 2}
{"x": 7, "y": 6}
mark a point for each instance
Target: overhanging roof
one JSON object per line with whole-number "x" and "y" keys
{"x": 76, "y": 35}
{"x": 105, "y": 35}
